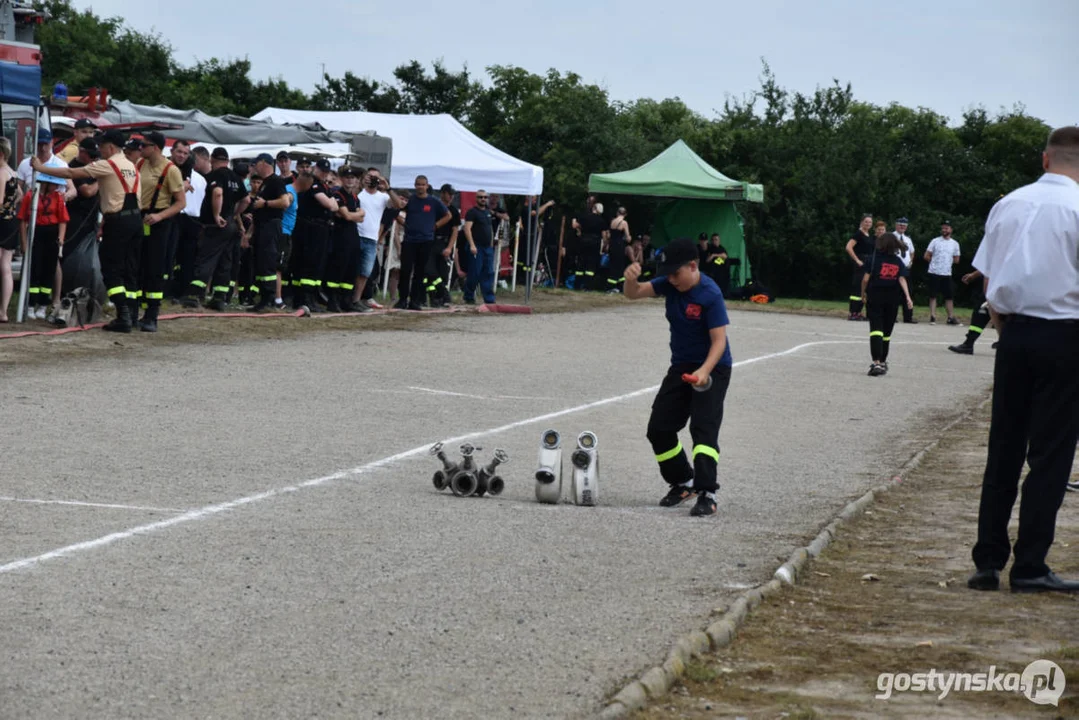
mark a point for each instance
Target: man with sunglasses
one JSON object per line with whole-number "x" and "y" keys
{"x": 481, "y": 264}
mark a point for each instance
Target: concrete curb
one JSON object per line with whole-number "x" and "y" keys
{"x": 657, "y": 681}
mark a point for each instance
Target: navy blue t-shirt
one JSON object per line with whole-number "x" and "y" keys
{"x": 421, "y": 214}
{"x": 692, "y": 314}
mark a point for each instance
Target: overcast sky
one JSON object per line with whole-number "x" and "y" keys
{"x": 948, "y": 55}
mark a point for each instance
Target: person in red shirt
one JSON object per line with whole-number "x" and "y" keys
{"x": 51, "y": 224}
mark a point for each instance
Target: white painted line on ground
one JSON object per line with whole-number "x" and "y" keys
{"x": 212, "y": 510}
{"x": 474, "y": 397}
{"x": 77, "y": 503}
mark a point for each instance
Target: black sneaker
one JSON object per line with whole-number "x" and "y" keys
{"x": 415, "y": 307}
{"x": 876, "y": 370}
{"x": 962, "y": 349}
{"x": 953, "y": 321}
{"x": 676, "y": 496}
{"x": 932, "y": 320}
{"x": 400, "y": 305}
{"x": 704, "y": 506}
{"x": 1072, "y": 487}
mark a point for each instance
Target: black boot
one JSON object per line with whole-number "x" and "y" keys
{"x": 332, "y": 305}
{"x": 122, "y": 322}
{"x": 149, "y": 319}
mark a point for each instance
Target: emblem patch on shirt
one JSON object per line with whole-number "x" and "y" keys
{"x": 693, "y": 311}
{"x": 427, "y": 208}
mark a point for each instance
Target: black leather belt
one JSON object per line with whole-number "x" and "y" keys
{"x": 122, "y": 213}
{"x": 1029, "y": 319}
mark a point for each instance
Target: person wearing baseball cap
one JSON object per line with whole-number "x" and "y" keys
{"x": 284, "y": 167}
{"x": 942, "y": 256}
{"x": 696, "y": 382}
{"x": 50, "y": 227}
{"x": 268, "y": 206}
{"x": 162, "y": 198}
{"x": 84, "y": 128}
{"x": 121, "y": 228}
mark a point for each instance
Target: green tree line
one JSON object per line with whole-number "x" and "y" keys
{"x": 824, "y": 157}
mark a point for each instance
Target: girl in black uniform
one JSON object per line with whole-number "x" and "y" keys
{"x": 859, "y": 249}
{"x": 883, "y": 287}
{"x": 616, "y": 251}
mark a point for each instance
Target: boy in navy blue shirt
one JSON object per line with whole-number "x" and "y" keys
{"x": 697, "y": 380}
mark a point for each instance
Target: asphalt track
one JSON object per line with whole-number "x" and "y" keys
{"x": 251, "y": 531}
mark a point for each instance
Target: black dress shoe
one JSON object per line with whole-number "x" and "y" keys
{"x": 984, "y": 580}
{"x": 1045, "y": 583}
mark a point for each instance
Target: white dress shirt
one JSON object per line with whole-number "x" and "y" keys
{"x": 1030, "y": 251}
{"x": 195, "y": 195}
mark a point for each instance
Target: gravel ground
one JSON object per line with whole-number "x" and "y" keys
{"x": 233, "y": 589}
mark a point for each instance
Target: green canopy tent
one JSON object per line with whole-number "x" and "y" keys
{"x": 699, "y": 199}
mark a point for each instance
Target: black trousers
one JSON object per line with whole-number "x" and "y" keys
{"x": 1035, "y": 420}
{"x": 183, "y": 254}
{"x": 882, "y": 312}
{"x": 310, "y": 250}
{"x": 979, "y": 320}
{"x": 587, "y": 264}
{"x": 413, "y": 261}
{"x": 153, "y": 264}
{"x": 436, "y": 274}
{"x": 616, "y": 263}
{"x": 856, "y": 288}
{"x": 675, "y": 403}
{"x": 46, "y": 250}
{"x": 264, "y": 256}
{"x": 119, "y": 234}
{"x": 344, "y": 264}
{"x": 213, "y": 264}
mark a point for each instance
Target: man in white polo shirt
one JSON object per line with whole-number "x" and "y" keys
{"x": 942, "y": 254}
{"x": 1030, "y": 259}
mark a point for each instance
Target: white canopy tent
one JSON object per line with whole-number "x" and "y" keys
{"x": 433, "y": 145}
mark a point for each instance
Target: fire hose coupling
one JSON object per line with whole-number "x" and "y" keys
{"x": 442, "y": 477}
{"x": 585, "y": 459}
{"x": 466, "y": 478}
{"x": 549, "y": 470}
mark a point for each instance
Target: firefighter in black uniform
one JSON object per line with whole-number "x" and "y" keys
{"x": 225, "y": 199}
{"x": 859, "y": 249}
{"x": 345, "y": 261}
{"x": 696, "y": 382}
{"x": 118, "y": 182}
{"x": 311, "y": 238}
{"x": 269, "y": 205}
{"x": 440, "y": 260}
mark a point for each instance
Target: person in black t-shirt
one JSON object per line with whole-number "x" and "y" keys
{"x": 884, "y": 286}
{"x": 592, "y": 229}
{"x": 440, "y": 260}
{"x": 859, "y": 249}
{"x": 479, "y": 235}
{"x": 311, "y": 239}
{"x": 718, "y": 265}
{"x": 225, "y": 199}
{"x": 269, "y": 206}
{"x": 344, "y": 264}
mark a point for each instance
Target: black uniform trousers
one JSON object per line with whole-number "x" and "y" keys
{"x": 413, "y": 261}
{"x": 979, "y": 321}
{"x": 213, "y": 263}
{"x": 587, "y": 264}
{"x": 183, "y": 253}
{"x": 43, "y": 258}
{"x": 1035, "y": 420}
{"x": 616, "y": 263}
{"x": 675, "y": 403}
{"x": 344, "y": 262}
{"x": 311, "y": 245}
{"x": 153, "y": 270}
{"x": 882, "y": 312}
{"x": 264, "y": 256}
{"x": 120, "y": 232}
{"x": 437, "y": 274}
{"x": 857, "y": 273}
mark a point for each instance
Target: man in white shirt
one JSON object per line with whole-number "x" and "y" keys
{"x": 907, "y": 256}
{"x": 942, "y": 255}
{"x": 374, "y": 198}
{"x": 44, "y": 153}
{"x": 1030, "y": 259}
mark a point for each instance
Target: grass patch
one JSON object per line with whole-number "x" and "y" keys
{"x": 699, "y": 672}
